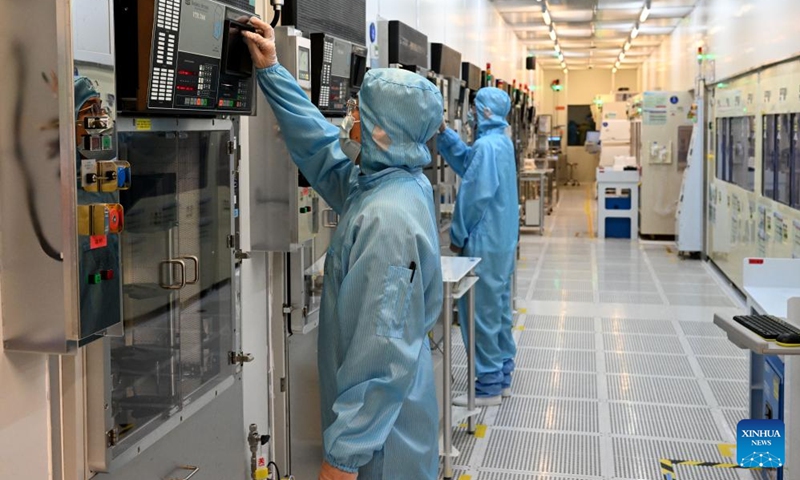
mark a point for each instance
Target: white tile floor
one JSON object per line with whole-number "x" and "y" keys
{"x": 619, "y": 363}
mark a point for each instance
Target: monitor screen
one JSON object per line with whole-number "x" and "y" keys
{"x": 555, "y": 139}
{"x": 303, "y": 64}
{"x": 358, "y": 69}
{"x": 340, "y": 65}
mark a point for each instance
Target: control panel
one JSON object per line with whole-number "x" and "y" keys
{"x": 338, "y": 69}
{"x": 191, "y": 57}
{"x": 100, "y": 218}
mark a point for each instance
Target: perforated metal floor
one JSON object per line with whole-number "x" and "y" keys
{"x": 618, "y": 364}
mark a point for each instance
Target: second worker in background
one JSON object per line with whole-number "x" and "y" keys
{"x": 486, "y": 225}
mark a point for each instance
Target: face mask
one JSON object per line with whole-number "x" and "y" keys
{"x": 350, "y": 147}
{"x": 472, "y": 120}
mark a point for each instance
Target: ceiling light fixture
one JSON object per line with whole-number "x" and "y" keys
{"x": 645, "y": 12}
{"x": 566, "y": 70}
{"x": 614, "y": 70}
{"x": 627, "y": 46}
{"x": 616, "y": 65}
{"x": 635, "y": 32}
{"x": 561, "y": 56}
{"x": 557, "y": 47}
{"x": 552, "y": 33}
{"x": 546, "y": 16}
{"x": 621, "y": 56}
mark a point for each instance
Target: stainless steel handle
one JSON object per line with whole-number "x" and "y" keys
{"x": 327, "y": 215}
{"x": 172, "y": 264}
{"x": 189, "y": 468}
{"x": 196, "y": 262}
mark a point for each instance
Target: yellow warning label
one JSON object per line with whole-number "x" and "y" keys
{"x": 144, "y": 124}
{"x": 776, "y": 387}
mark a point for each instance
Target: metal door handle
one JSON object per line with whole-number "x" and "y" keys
{"x": 189, "y": 468}
{"x": 196, "y": 262}
{"x": 182, "y": 269}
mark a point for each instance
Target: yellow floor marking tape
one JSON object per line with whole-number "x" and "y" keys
{"x": 727, "y": 449}
{"x": 480, "y": 430}
{"x": 521, "y": 328}
{"x": 465, "y": 477}
{"x": 522, "y": 310}
{"x": 668, "y": 466}
{"x": 587, "y": 207}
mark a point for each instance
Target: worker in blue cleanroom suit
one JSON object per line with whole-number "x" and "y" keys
{"x": 486, "y": 225}
{"x": 383, "y": 280}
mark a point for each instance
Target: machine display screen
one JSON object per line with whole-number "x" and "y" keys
{"x": 303, "y": 64}
{"x": 340, "y": 65}
{"x": 201, "y": 28}
{"x": 358, "y": 70}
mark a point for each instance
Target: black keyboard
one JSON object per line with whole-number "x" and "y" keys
{"x": 766, "y": 326}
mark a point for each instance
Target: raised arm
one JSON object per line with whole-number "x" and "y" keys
{"x": 455, "y": 152}
{"x": 312, "y": 141}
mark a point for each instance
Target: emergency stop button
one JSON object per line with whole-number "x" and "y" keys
{"x": 107, "y": 274}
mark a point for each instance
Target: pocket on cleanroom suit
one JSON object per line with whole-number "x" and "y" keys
{"x": 394, "y": 304}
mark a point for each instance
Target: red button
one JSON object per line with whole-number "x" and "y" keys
{"x": 107, "y": 274}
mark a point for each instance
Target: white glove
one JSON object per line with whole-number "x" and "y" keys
{"x": 261, "y": 44}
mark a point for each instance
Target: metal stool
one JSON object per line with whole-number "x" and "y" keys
{"x": 571, "y": 181}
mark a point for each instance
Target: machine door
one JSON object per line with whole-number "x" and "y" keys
{"x": 178, "y": 289}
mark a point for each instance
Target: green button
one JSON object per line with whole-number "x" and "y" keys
{"x": 95, "y": 279}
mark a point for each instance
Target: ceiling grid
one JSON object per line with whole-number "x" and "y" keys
{"x": 584, "y": 34}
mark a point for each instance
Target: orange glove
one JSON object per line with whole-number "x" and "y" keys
{"x": 330, "y": 473}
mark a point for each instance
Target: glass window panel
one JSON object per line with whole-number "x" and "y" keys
{"x": 206, "y": 301}
{"x": 769, "y": 155}
{"x": 784, "y": 134}
{"x": 144, "y": 362}
{"x": 742, "y": 151}
{"x": 796, "y": 161}
{"x": 721, "y": 143}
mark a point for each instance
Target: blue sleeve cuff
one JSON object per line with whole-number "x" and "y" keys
{"x": 271, "y": 69}
{"x": 339, "y": 466}
{"x": 447, "y": 138}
